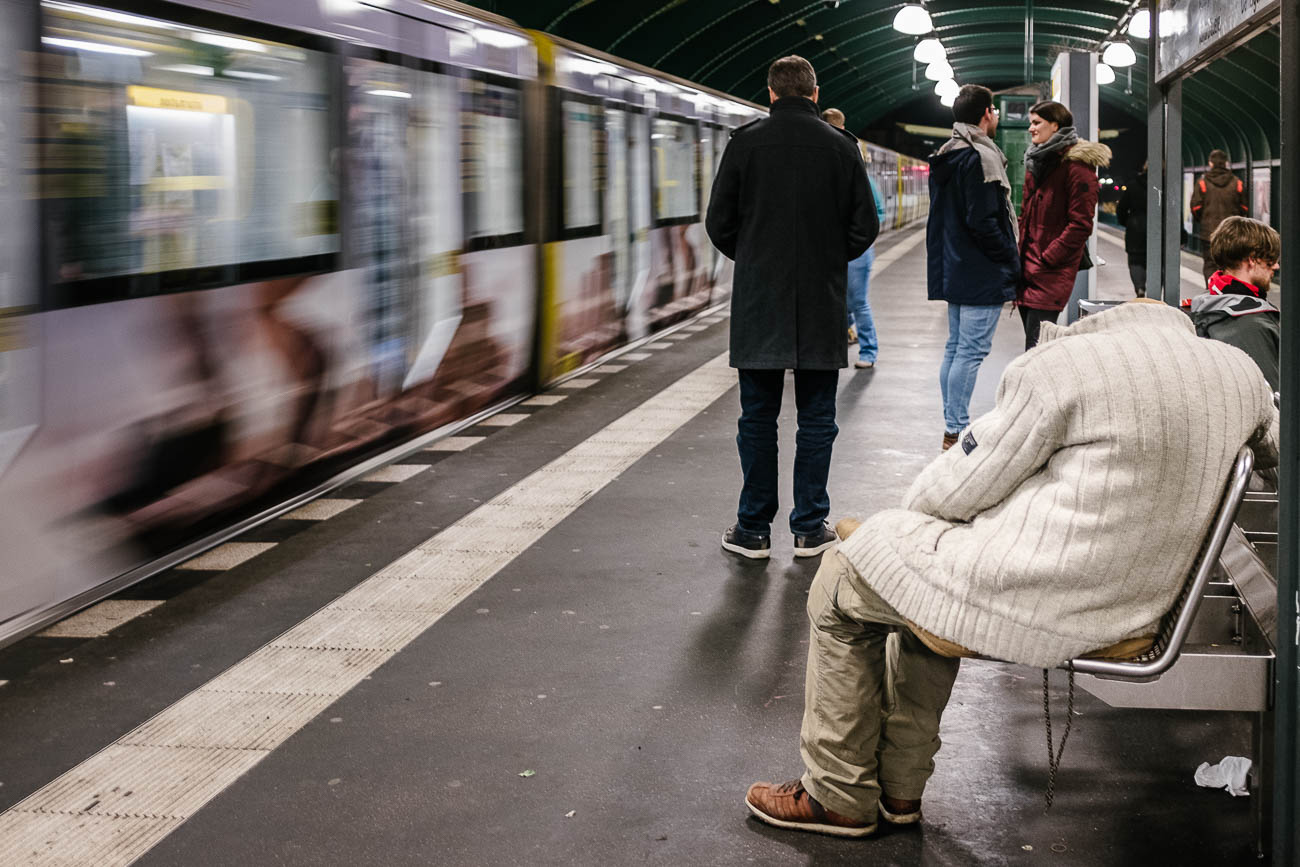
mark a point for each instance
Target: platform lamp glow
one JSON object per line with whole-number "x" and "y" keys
{"x": 939, "y": 70}
{"x": 929, "y": 51}
{"x": 1140, "y": 25}
{"x": 1118, "y": 54}
{"x": 947, "y": 100}
{"x": 948, "y": 87}
{"x": 1105, "y": 75}
{"x": 913, "y": 20}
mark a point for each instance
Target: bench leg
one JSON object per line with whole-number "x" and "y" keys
{"x": 1262, "y": 758}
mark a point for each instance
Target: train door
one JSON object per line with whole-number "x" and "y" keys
{"x": 618, "y": 202}
{"x": 708, "y": 164}
{"x": 438, "y": 227}
{"x": 639, "y": 188}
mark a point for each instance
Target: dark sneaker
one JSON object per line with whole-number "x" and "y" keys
{"x": 899, "y": 812}
{"x": 950, "y": 440}
{"x": 790, "y": 806}
{"x": 815, "y": 543}
{"x": 737, "y": 541}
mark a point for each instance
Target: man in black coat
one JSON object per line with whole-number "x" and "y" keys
{"x": 791, "y": 205}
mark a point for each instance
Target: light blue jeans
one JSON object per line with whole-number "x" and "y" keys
{"x": 859, "y": 309}
{"x": 970, "y": 337}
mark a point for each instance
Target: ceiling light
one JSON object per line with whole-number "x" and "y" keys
{"x": 947, "y": 87}
{"x": 395, "y": 94}
{"x": 929, "y": 51}
{"x": 110, "y": 15}
{"x": 913, "y": 20}
{"x": 251, "y": 76}
{"x": 1119, "y": 54}
{"x": 498, "y": 38}
{"x": 939, "y": 70}
{"x": 1105, "y": 75}
{"x": 231, "y": 42}
{"x": 947, "y": 99}
{"x": 98, "y": 47}
{"x": 1139, "y": 27}
{"x": 187, "y": 68}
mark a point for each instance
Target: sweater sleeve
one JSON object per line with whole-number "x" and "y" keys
{"x": 994, "y": 456}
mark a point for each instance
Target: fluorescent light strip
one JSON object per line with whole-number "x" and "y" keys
{"x": 98, "y": 47}
{"x": 187, "y": 68}
{"x": 251, "y": 76}
{"x": 396, "y": 94}
{"x": 110, "y": 15}
{"x": 231, "y": 42}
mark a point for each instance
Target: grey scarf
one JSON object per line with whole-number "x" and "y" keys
{"x": 992, "y": 161}
{"x": 1036, "y": 156}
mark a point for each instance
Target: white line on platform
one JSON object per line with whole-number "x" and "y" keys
{"x": 634, "y": 356}
{"x": 321, "y": 510}
{"x": 227, "y": 556}
{"x": 578, "y": 383}
{"x": 100, "y": 619}
{"x": 119, "y": 803}
{"x": 394, "y": 473}
{"x": 544, "y": 400}
{"x": 454, "y": 444}
{"x": 504, "y": 419}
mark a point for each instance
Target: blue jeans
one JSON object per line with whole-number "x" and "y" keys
{"x": 970, "y": 337}
{"x": 859, "y": 309}
{"x": 760, "y": 404}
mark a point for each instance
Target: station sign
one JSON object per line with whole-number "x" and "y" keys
{"x": 1194, "y": 32}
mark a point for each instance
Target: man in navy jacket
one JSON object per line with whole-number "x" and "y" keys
{"x": 972, "y": 251}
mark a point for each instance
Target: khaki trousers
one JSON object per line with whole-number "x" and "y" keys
{"x": 856, "y": 737}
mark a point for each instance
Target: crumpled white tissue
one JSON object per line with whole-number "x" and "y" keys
{"x": 1228, "y": 774}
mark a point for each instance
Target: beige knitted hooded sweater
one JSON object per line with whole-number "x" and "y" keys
{"x": 1068, "y": 518}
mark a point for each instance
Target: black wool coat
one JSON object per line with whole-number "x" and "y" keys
{"x": 791, "y": 205}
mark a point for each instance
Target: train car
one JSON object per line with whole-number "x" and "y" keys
{"x": 250, "y": 247}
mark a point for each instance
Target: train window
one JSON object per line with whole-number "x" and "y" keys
{"x": 171, "y": 148}
{"x": 673, "y": 155}
{"x": 618, "y": 202}
{"x": 583, "y": 164}
{"x": 435, "y": 144}
{"x": 379, "y": 169}
{"x": 492, "y": 163}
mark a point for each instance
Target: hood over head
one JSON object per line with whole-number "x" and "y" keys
{"x": 1220, "y": 176}
{"x": 1140, "y": 316}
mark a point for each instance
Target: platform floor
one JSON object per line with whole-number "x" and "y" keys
{"x": 605, "y": 696}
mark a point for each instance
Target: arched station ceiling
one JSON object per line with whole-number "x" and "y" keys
{"x": 865, "y": 67}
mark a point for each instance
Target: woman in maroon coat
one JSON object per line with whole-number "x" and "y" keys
{"x": 1056, "y": 220}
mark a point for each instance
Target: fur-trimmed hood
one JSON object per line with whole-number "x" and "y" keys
{"x": 1089, "y": 153}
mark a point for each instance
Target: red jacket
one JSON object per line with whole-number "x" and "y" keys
{"x": 1055, "y": 223}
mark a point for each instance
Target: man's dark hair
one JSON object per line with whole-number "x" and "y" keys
{"x": 971, "y": 103}
{"x": 1052, "y": 112}
{"x": 1218, "y": 157}
{"x": 1240, "y": 238}
{"x": 792, "y": 76}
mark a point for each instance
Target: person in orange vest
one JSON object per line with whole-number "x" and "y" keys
{"x": 1219, "y": 194}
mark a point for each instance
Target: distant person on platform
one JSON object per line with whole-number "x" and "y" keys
{"x": 1058, "y": 213}
{"x": 1219, "y": 194}
{"x": 1236, "y": 310}
{"x": 792, "y": 206}
{"x": 862, "y": 327}
{"x": 970, "y": 238}
{"x": 1131, "y": 213}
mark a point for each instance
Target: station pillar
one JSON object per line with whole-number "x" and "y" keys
{"x": 1074, "y": 85}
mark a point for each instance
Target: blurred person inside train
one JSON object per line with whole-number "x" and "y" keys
{"x": 1046, "y": 535}
{"x": 792, "y": 206}
{"x": 862, "y": 327}
{"x": 1236, "y": 308}
{"x": 1219, "y": 194}
{"x": 1058, "y": 213}
{"x": 972, "y": 260}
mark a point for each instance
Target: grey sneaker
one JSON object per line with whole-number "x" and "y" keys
{"x": 755, "y": 547}
{"x": 816, "y": 542}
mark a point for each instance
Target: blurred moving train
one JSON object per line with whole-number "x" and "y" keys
{"x": 249, "y": 244}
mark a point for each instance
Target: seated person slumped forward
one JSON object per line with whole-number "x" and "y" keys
{"x": 1064, "y": 521}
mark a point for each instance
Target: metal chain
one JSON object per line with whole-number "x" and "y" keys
{"x": 1054, "y": 755}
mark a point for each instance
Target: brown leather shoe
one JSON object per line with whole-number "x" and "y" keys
{"x": 790, "y": 806}
{"x": 896, "y": 811}
{"x": 950, "y": 440}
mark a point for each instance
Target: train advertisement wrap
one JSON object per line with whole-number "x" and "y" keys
{"x": 243, "y": 259}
